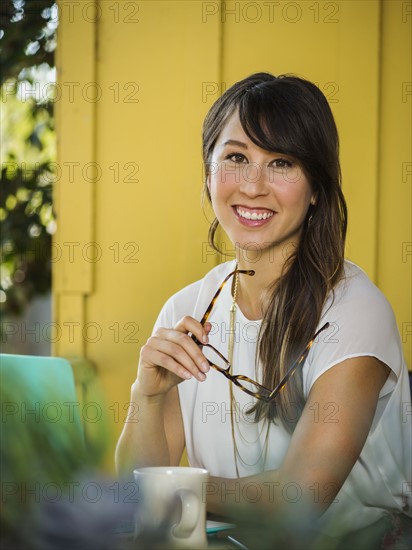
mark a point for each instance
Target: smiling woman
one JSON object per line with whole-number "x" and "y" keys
{"x": 315, "y": 401}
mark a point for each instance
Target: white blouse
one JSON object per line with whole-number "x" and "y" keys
{"x": 361, "y": 323}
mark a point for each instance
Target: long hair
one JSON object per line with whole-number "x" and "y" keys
{"x": 290, "y": 115}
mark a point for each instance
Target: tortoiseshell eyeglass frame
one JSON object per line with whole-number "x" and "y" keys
{"x": 262, "y": 393}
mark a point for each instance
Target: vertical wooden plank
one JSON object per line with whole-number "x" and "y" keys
{"x": 73, "y": 245}
{"x": 357, "y": 118}
{"x": 394, "y": 231}
{"x": 76, "y": 167}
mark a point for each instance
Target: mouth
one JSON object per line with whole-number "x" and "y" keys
{"x": 253, "y": 216}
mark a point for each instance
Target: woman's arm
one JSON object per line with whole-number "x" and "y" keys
{"x": 153, "y": 433}
{"x": 325, "y": 445}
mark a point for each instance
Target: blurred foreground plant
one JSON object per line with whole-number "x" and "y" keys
{"x": 54, "y": 495}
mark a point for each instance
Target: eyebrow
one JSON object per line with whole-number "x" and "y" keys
{"x": 235, "y": 142}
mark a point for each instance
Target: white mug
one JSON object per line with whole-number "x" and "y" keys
{"x": 171, "y": 500}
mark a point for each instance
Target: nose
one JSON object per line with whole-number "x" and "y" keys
{"x": 253, "y": 180}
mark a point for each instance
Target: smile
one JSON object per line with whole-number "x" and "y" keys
{"x": 256, "y": 215}
{"x": 253, "y": 214}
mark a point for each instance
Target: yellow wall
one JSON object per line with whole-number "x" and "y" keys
{"x": 133, "y": 232}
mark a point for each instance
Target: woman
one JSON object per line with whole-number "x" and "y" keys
{"x": 308, "y": 383}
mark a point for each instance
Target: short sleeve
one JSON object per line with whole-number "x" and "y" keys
{"x": 193, "y": 299}
{"x": 362, "y": 323}
{"x": 177, "y": 306}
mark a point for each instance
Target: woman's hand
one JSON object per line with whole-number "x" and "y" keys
{"x": 171, "y": 356}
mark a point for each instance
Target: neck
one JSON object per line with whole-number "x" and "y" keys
{"x": 252, "y": 294}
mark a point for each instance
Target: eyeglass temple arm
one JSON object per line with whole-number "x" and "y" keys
{"x": 219, "y": 290}
{"x": 296, "y": 364}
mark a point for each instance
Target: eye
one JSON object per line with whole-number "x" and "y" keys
{"x": 237, "y": 158}
{"x": 281, "y": 163}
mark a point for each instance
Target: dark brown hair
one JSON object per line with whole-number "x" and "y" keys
{"x": 290, "y": 115}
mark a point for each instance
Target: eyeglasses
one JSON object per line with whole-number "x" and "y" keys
{"x": 219, "y": 362}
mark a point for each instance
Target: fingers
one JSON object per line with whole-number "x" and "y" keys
{"x": 152, "y": 356}
{"x": 208, "y": 328}
{"x": 189, "y": 324}
{"x": 176, "y": 352}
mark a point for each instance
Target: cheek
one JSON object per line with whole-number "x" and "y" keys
{"x": 214, "y": 192}
{"x": 290, "y": 195}
{"x": 222, "y": 183}
{"x": 294, "y": 194}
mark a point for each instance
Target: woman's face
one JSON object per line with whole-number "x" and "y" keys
{"x": 260, "y": 198}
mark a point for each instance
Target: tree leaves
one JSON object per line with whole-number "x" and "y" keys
{"x": 27, "y": 221}
{"x": 23, "y": 23}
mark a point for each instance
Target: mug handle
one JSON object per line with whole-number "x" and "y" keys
{"x": 190, "y": 514}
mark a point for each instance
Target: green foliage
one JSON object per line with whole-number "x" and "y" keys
{"x": 27, "y": 221}
{"x": 29, "y": 35}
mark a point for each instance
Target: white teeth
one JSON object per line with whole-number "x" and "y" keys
{"x": 254, "y": 216}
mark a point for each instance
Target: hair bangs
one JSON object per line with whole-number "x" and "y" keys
{"x": 269, "y": 119}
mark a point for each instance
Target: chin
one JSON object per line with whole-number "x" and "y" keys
{"x": 252, "y": 250}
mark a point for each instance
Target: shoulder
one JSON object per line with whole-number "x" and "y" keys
{"x": 193, "y": 297}
{"x": 188, "y": 295}
{"x": 355, "y": 280}
{"x": 357, "y": 296}
{"x": 361, "y": 323}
